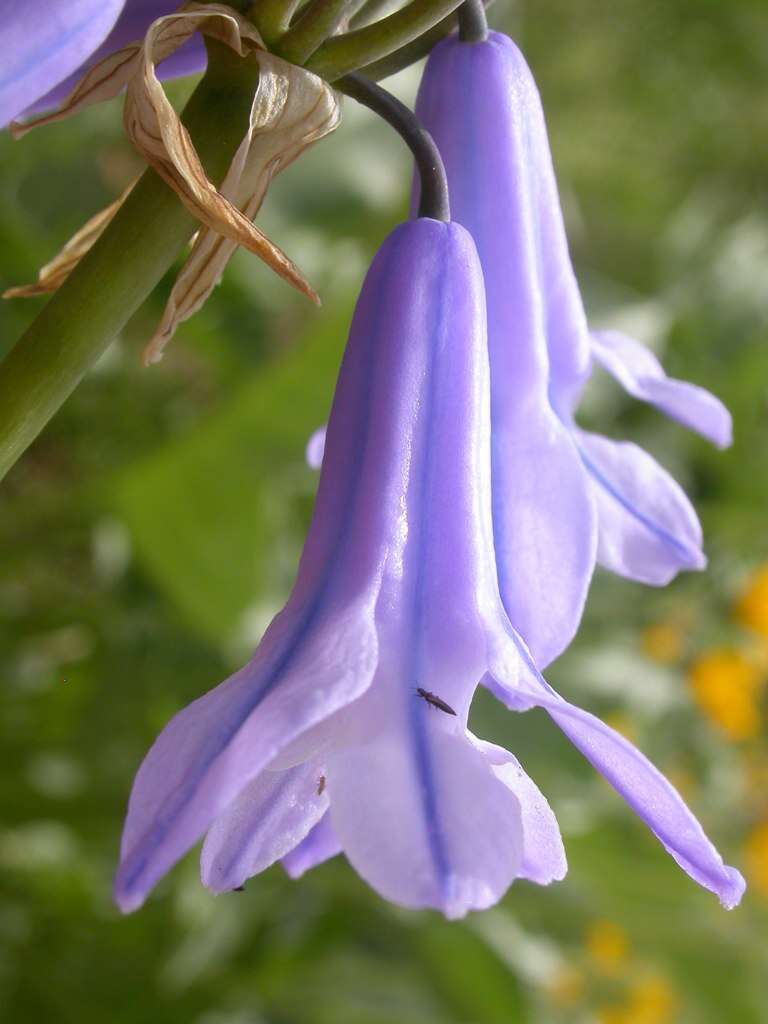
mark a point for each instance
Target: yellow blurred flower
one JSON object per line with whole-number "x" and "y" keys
{"x": 567, "y": 987}
{"x": 726, "y": 684}
{"x": 612, "y": 1015}
{"x": 756, "y": 858}
{"x": 752, "y": 606}
{"x": 607, "y": 946}
{"x": 651, "y": 1000}
{"x": 663, "y": 642}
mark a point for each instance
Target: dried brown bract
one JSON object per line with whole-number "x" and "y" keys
{"x": 291, "y": 109}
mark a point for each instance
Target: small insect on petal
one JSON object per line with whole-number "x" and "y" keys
{"x": 436, "y": 702}
{"x": 239, "y": 888}
{"x": 321, "y": 785}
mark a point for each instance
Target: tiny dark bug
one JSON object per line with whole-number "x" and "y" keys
{"x": 240, "y": 888}
{"x": 321, "y": 785}
{"x": 436, "y": 702}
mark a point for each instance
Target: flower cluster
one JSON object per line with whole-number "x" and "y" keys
{"x": 460, "y": 513}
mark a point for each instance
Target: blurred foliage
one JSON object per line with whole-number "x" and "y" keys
{"x": 153, "y": 529}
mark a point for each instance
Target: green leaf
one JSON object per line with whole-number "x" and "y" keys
{"x": 207, "y": 512}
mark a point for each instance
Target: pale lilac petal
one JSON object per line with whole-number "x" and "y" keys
{"x": 300, "y": 674}
{"x": 420, "y": 363}
{"x": 545, "y": 532}
{"x": 640, "y": 373}
{"x": 131, "y": 27}
{"x": 315, "y": 448}
{"x": 435, "y": 831}
{"x": 633, "y": 777}
{"x": 320, "y": 845}
{"x": 648, "y": 528}
{"x": 481, "y": 105}
{"x": 270, "y": 817}
{"x": 544, "y": 858}
{"x": 44, "y": 42}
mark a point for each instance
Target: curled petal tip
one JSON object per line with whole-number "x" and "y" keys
{"x": 730, "y": 895}
{"x": 126, "y": 900}
{"x": 700, "y": 561}
{"x": 722, "y": 437}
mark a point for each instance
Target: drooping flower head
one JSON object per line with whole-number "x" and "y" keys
{"x": 348, "y": 728}
{"x": 396, "y": 593}
{"x": 480, "y": 102}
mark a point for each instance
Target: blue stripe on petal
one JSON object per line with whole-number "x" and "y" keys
{"x": 689, "y": 556}
{"x": 416, "y": 708}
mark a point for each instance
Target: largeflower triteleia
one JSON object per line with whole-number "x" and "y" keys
{"x": 480, "y": 103}
{"x": 47, "y": 45}
{"x": 355, "y": 703}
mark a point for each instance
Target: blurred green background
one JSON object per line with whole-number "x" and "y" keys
{"x": 153, "y": 529}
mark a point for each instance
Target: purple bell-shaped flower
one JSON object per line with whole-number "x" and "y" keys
{"x": 552, "y": 481}
{"x": 348, "y": 728}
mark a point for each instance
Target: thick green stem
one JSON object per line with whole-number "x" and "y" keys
{"x": 124, "y": 265}
{"x": 404, "y": 56}
{"x": 273, "y": 17}
{"x": 353, "y": 50}
{"x": 367, "y": 11}
{"x": 319, "y": 20}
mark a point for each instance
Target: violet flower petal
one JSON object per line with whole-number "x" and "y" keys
{"x": 271, "y": 816}
{"x": 505, "y": 91}
{"x": 633, "y": 777}
{"x": 544, "y": 859}
{"x": 480, "y": 104}
{"x": 640, "y": 373}
{"x": 303, "y": 671}
{"x": 44, "y": 42}
{"x": 315, "y": 448}
{"x": 545, "y": 531}
{"x": 648, "y": 528}
{"x": 456, "y": 846}
{"x": 320, "y": 845}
